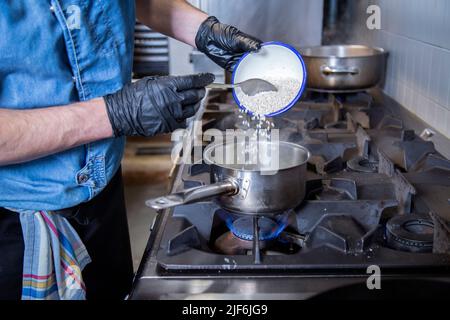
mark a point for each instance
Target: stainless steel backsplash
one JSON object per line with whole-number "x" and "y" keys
{"x": 297, "y": 22}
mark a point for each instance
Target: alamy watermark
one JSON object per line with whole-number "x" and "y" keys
{"x": 374, "y": 280}
{"x": 373, "y": 22}
{"x": 73, "y": 17}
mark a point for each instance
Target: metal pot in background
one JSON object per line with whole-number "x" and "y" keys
{"x": 243, "y": 189}
{"x": 344, "y": 68}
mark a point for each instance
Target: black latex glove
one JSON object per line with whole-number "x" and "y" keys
{"x": 155, "y": 105}
{"x": 224, "y": 44}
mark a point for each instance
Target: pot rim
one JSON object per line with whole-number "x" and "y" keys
{"x": 377, "y": 51}
{"x": 213, "y": 146}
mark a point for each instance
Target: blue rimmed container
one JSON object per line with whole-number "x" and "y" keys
{"x": 274, "y": 59}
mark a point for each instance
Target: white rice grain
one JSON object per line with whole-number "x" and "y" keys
{"x": 268, "y": 102}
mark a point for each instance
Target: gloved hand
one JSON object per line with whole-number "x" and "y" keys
{"x": 155, "y": 105}
{"x": 224, "y": 44}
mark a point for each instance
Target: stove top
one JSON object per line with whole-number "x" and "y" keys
{"x": 376, "y": 194}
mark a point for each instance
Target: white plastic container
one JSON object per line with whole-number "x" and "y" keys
{"x": 274, "y": 59}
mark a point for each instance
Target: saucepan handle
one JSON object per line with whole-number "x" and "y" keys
{"x": 328, "y": 70}
{"x": 193, "y": 195}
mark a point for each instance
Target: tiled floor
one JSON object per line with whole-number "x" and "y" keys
{"x": 145, "y": 176}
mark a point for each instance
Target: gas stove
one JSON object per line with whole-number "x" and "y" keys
{"x": 377, "y": 194}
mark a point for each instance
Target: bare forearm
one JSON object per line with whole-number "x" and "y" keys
{"x": 174, "y": 18}
{"x": 30, "y": 134}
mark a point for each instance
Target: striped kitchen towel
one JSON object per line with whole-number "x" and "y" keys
{"x": 53, "y": 259}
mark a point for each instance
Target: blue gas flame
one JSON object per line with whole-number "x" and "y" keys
{"x": 269, "y": 228}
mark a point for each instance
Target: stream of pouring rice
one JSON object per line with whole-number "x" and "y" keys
{"x": 260, "y": 154}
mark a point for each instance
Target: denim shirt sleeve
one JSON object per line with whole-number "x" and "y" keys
{"x": 69, "y": 50}
{"x": 99, "y": 170}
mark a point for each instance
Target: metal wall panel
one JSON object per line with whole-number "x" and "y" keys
{"x": 297, "y": 22}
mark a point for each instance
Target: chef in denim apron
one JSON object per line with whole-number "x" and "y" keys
{"x": 66, "y": 105}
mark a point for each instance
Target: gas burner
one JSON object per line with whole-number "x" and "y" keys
{"x": 410, "y": 232}
{"x": 362, "y": 164}
{"x": 268, "y": 229}
{"x": 272, "y": 239}
{"x": 230, "y": 244}
{"x": 286, "y": 243}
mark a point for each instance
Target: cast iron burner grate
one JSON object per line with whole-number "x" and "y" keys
{"x": 362, "y": 164}
{"x": 361, "y": 176}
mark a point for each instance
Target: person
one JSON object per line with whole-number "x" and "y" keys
{"x": 66, "y": 104}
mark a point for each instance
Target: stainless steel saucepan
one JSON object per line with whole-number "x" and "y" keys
{"x": 344, "y": 68}
{"x": 245, "y": 189}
